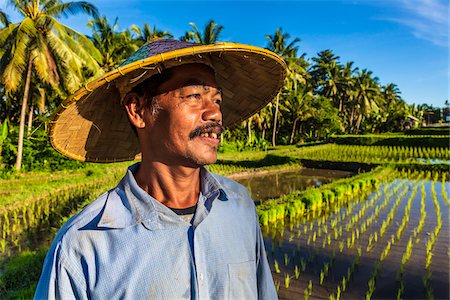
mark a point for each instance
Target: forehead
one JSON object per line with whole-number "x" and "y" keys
{"x": 188, "y": 74}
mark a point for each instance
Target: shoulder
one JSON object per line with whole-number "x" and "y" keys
{"x": 90, "y": 214}
{"x": 234, "y": 190}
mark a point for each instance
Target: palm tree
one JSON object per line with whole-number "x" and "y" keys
{"x": 277, "y": 43}
{"x": 113, "y": 45}
{"x": 319, "y": 70}
{"x": 210, "y": 34}
{"x": 39, "y": 45}
{"x": 347, "y": 82}
{"x": 298, "y": 106}
{"x": 366, "y": 90}
{"x": 146, "y": 34}
{"x": 4, "y": 19}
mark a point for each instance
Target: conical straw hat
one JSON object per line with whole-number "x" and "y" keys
{"x": 92, "y": 124}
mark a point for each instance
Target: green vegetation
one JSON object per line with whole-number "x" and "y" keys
{"x": 369, "y": 215}
{"x": 320, "y": 97}
{"x": 392, "y": 139}
{"x": 350, "y": 226}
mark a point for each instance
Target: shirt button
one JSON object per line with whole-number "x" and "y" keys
{"x": 201, "y": 276}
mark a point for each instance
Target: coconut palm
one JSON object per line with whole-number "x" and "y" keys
{"x": 319, "y": 70}
{"x": 113, "y": 45}
{"x": 4, "y": 19}
{"x": 146, "y": 34}
{"x": 278, "y": 44}
{"x": 298, "y": 106}
{"x": 347, "y": 82}
{"x": 41, "y": 46}
{"x": 366, "y": 89}
{"x": 210, "y": 34}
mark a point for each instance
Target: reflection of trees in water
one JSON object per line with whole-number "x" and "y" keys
{"x": 269, "y": 186}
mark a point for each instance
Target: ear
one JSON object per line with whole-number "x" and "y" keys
{"x": 134, "y": 105}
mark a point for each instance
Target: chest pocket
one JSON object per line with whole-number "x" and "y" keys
{"x": 242, "y": 278}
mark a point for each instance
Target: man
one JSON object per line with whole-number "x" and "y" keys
{"x": 170, "y": 229}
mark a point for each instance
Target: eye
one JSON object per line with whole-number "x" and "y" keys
{"x": 194, "y": 96}
{"x": 218, "y": 101}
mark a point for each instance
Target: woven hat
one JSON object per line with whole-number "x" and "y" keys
{"x": 92, "y": 124}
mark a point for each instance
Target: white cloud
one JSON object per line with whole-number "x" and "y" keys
{"x": 428, "y": 19}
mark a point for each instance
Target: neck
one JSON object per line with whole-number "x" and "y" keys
{"x": 173, "y": 186}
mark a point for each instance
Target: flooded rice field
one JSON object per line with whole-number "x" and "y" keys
{"x": 273, "y": 185}
{"x": 392, "y": 243}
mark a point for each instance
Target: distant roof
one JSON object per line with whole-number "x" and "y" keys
{"x": 413, "y": 118}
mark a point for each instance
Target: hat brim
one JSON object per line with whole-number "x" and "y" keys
{"x": 92, "y": 124}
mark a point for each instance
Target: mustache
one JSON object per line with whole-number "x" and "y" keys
{"x": 206, "y": 128}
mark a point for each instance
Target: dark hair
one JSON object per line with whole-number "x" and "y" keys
{"x": 149, "y": 87}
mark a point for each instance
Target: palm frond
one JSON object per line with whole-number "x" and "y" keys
{"x": 13, "y": 74}
{"x": 72, "y": 8}
{"x": 85, "y": 45}
{"x": 67, "y": 61}
{"x": 4, "y": 19}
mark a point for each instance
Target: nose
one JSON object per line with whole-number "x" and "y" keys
{"x": 212, "y": 111}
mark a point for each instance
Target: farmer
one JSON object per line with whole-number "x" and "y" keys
{"x": 170, "y": 229}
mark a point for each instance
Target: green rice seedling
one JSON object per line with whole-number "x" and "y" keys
{"x": 277, "y": 285}
{"x": 310, "y": 287}
{"x": 276, "y": 266}
{"x": 322, "y": 277}
{"x": 344, "y": 284}
{"x": 326, "y": 268}
{"x": 291, "y": 237}
{"x": 287, "y": 280}
{"x": 306, "y": 294}
{"x": 286, "y": 259}
{"x": 400, "y": 291}
{"x": 296, "y": 272}
{"x": 371, "y": 289}
{"x": 338, "y": 293}
{"x": 303, "y": 264}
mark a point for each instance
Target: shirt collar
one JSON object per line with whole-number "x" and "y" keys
{"x": 132, "y": 205}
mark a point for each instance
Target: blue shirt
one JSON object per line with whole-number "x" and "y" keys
{"x": 127, "y": 245}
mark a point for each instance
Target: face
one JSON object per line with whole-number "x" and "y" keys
{"x": 187, "y": 127}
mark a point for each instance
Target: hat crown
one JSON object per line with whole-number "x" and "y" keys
{"x": 156, "y": 47}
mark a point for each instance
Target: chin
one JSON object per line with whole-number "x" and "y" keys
{"x": 203, "y": 160}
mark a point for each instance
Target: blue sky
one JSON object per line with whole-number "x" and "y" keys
{"x": 405, "y": 42}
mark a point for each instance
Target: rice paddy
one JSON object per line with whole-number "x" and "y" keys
{"x": 383, "y": 233}
{"x": 390, "y": 243}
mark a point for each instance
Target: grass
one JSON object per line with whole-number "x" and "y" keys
{"x": 21, "y": 273}
{"x": 20, "y": 277}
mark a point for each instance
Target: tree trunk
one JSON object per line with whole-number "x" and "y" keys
{"x": 274, "y": 133}
{"x": 249, "y": 131}
{"x": 30, "y": 120}
{"x": 293, "y": 131}
{"x": 352, "y": 116}
{"x": 358, "y": 122}
{"x": 300, "y": 131}
{"x": 264, "y": 133}
{"x": 22, "y": 116}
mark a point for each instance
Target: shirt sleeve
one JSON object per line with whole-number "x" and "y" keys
{"x": 266, "y": 287}
{"x": 59, "y": 279}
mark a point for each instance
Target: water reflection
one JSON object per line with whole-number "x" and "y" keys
{"x": 267, "y": 186}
